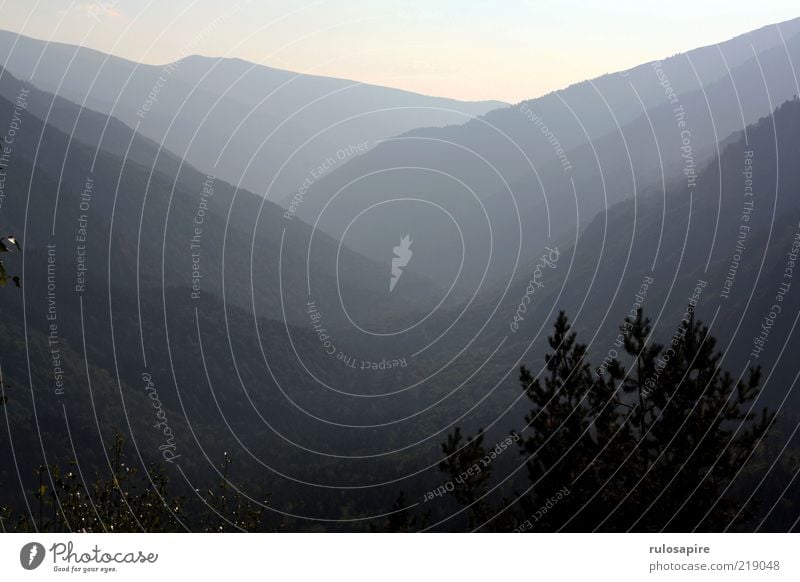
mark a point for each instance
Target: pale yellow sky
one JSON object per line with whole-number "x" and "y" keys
{"x": 468, "y": 49}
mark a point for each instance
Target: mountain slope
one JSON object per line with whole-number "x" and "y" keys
{"x": 109, "y": 292}
{"x": 730, "y": 246}
{"x": 521, "y": 177}
{"x": 246, "y": 123}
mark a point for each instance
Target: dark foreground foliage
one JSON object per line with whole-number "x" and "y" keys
{"x": 654, "y": 447}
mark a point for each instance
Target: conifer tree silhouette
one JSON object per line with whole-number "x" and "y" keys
{"x": 651, "y": 447}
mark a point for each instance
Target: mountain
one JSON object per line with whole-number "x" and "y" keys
{"x": 728, "y": 248}
{"x": 170, "y": 196}
{"x": 275, "y": 348}
{"x": 130, "y": 256}
{"x": 266, "y": 130}
{"x": 125, "y": 294}
{"x": 522, "y": 177}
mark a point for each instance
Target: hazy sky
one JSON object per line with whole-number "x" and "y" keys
{"x": 467, "y": 49}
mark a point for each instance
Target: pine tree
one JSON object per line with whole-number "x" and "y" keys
{"x": 467, "y": 474}
{"x": 650, "y": 448}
